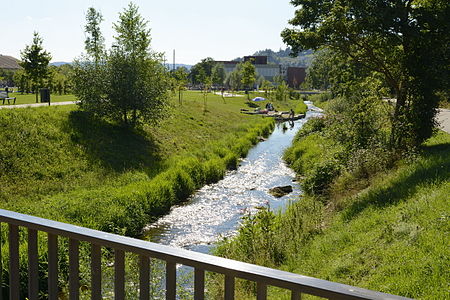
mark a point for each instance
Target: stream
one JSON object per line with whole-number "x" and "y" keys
{"x": 215, "y": 210}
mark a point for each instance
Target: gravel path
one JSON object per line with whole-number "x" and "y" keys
{"x": 37, "y": 104}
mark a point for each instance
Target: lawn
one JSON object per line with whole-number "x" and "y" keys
{"x": 31, "y": 98}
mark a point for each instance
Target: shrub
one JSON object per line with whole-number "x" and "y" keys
{"x": 320, "y": 177}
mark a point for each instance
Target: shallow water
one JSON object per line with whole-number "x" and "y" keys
{"x": 215, "y": 210}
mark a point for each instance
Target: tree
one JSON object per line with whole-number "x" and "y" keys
{"x": 248, "y": 75}
{"x": 201, "y": 70}
{"x": 180, "y": 76}
{"x": 21, "y": 81}
{"x": 406, "y": 41}
{"x": 130, "y": 86}
{"x": 7, "y": 76}
{"x": 35, "y": 62}
{"x": 94, "y": 43}
{"x": 234, "y": 79}
{"x": 267, "y": 87}
{"x": 218, "y": 74}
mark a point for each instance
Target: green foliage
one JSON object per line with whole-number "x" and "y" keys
{"x": 35, "y": 63}
{"x": 180, "y": 78}
{"x": 406, "y": 45}
{"x": 137, "y": 89}
{"x": 202, "y": 70}
{"x": 95, "y": 42}
{"x": 130, "y": 86}
{"x": 248, "y": 75}
{"x": 282, "y": 91}
{"x": 218, "y": 74}
{"x": 74, "y": 162}
{"x": 320, "y": 177}
{"x": 390, "y": 237}
{"x": 234, "y": 79}
{"x": 58, "y": 79}
{"x": 22, "y": 81}
{"x": 7, "y": 77}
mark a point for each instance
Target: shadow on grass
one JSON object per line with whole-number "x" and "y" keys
{"x": 114, "y": 147}
{"x": 434, "y": 169}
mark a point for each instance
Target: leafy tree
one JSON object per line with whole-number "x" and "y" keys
{"x": 89, "y": 72}
{"x": 180, "y": 76}
{"x": 131, "y": 85}
{"x": 218, "y": 74}
{"x": 57, "y": 80}
{"x": 260, "y": 80}
{"x": 21, "y": 81}
{"x": 201, "y": 70}
{"x": 234, "y": 79}
{"x": 267, "y": 87}
{"x": 248, "y": 75}
{"x": 7, "y": 76}
{"x": 35, "y": 62}
{"x": 406, "y": 41}
{"x": 282, "y": 91}
{"x": 94, "y": 43}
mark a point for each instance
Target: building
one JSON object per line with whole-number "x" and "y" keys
{"x": 9, "y": 63}
{"x": 268, "y": 71}
{"x": 294, "y": 76}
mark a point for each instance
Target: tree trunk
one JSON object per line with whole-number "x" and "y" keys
{"x": 398, "y": 126}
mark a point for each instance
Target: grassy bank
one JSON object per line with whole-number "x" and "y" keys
{"x": 388, "y": 232}
{"x": 60, "y": 163}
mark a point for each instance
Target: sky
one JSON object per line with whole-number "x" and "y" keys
{"x": 196, "y": 29}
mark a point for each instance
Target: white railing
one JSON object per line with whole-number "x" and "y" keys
{"x": 201, "y": 263}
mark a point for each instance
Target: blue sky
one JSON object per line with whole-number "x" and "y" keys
{"x": 195, "y": 28}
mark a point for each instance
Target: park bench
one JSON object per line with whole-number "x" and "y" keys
{"x": 4, "y": 96}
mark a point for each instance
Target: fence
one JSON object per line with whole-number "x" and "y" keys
{"x": 201, "y": 263}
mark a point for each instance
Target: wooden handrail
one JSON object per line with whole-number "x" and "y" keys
{"x": 201, "y": 262}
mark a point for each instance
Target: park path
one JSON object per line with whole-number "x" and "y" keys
{"x": 37, "y": 104}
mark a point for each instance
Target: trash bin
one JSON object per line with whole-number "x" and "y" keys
{"x": 45, "y": 95}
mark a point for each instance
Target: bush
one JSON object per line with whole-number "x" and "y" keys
{"x": 320, "y": 177}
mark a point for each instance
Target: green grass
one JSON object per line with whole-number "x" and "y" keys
{"x": 392, "y": 236}
{"x": 31, "y": 98}
{"x": 297, "y": 105}
{"x": 59, "y": 163}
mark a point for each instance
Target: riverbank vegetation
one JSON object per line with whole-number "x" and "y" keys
{"x": 63, "y": 164}
{"x": 52, "y": 154}
{"x": 375, "y": 175}
{"x": 364, "y": 222}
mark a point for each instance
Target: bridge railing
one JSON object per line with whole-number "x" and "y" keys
{"x": 201, "y": 263}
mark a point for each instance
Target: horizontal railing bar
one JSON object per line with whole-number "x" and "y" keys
{"x": 309, "y": 285}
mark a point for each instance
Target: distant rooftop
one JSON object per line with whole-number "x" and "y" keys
{"x": 9, "y": 63}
